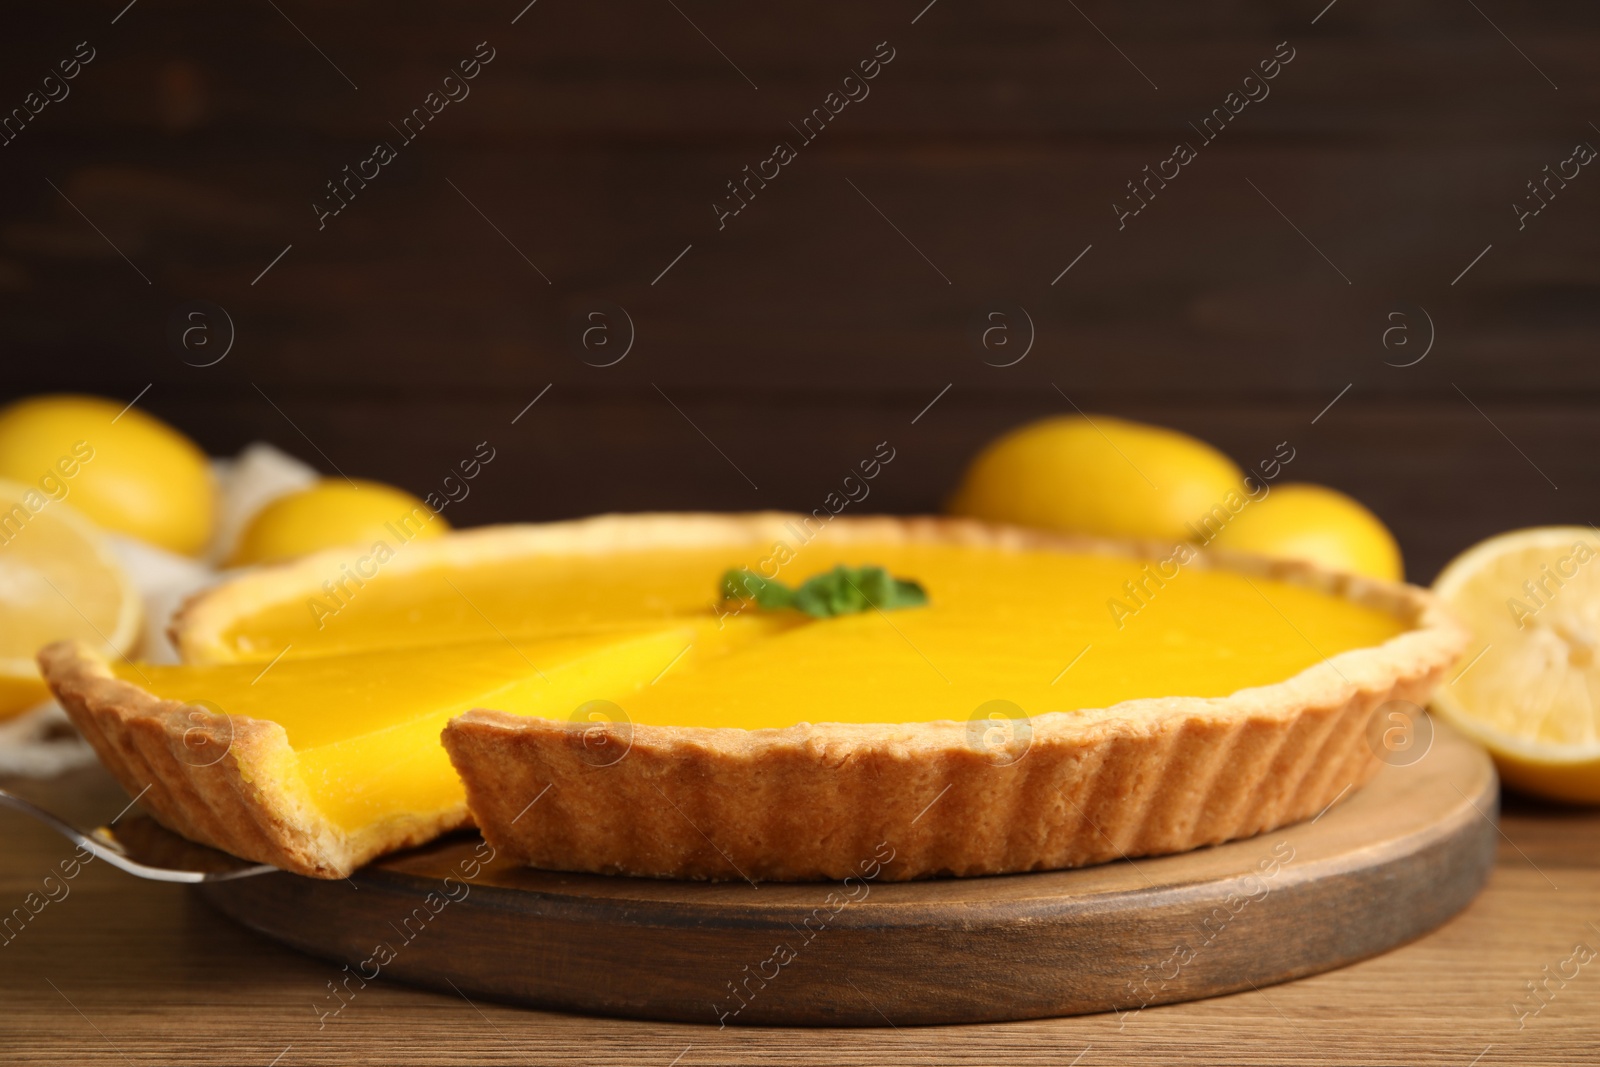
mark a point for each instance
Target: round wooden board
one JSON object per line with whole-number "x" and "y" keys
{"x": 1387, "y": 864}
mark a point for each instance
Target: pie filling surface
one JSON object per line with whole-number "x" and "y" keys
{"x": 364, "y": 686}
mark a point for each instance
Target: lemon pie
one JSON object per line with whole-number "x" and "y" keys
{"x": 604, "y": 707}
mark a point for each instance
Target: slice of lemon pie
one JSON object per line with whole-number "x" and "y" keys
{"x": 612, "y": 700}
{"x": 318, "y": 764}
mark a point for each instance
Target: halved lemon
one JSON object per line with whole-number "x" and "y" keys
{"x": 57, "y": 580}
{"x": 1529, "y": 690}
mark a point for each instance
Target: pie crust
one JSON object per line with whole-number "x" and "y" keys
{"x": 812, "y": 801}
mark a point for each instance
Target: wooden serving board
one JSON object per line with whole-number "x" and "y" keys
{"x": 1387, "y": 864}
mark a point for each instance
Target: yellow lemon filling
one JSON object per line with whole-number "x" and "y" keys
{"x": 1030, "y": 604}
{"x": 365, "y": 727}
{"x": 364, "y": 692}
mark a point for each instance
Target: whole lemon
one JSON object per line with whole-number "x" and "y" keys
{"x": 334, "y": 512}
{"x": 1098, "y": 475}
{"x": 1318, "y": 525}
{"x": 126, "y": 470}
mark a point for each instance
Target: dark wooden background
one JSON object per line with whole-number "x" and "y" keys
{"x": 443, "y": 299}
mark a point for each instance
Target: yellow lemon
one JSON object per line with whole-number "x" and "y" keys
{"x": 1318, "y": 525}
{"x": 57, "y": 581}
{"x": 126, "y": 470}
{"x": 331, "y": 513}
{"x": 1527, "y": 690}
{"x": 1098, "y": 475}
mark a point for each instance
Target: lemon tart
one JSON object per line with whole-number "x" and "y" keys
{"x": 1054, "y": 702}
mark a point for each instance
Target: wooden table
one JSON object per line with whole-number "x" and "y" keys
{"x": 121, "y": 971}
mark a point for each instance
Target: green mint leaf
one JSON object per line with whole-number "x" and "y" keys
{"x": 841, "y": 591}
{"x": 832, "y": 593}
{"x": 882, "y": 590}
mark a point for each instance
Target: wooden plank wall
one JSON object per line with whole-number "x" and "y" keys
{"x": 1374, "y": 168}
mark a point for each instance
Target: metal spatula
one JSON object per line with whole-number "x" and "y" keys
{"x": 144, "y": 848}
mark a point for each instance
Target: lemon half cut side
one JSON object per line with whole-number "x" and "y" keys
{"x": 1529, "y": 690}
{"x": 58, "y": 580}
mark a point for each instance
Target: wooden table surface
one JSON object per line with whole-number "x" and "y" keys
{"x": 115, "y": 970}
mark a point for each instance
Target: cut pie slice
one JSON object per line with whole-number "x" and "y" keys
{"x": 1056, "y": 701}
{"x": 319, "y": 764}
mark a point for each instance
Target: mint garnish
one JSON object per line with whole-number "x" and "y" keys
{"x": 841, "y": 591}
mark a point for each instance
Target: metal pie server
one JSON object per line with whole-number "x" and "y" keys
{"x": 143, "y": 847}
